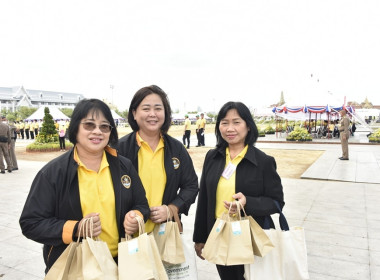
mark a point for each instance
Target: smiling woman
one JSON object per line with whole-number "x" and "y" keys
{"x": 84, "y": 183}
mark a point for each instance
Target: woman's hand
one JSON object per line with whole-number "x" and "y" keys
{"x": 131, "y": 224}
{"x": 198, "y": 249}
{"x": 238, "y": 196}
{"x": 97, "y": 227}
{"x": 159, "y": 214}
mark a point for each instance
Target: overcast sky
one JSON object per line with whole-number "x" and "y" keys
{"x": 202, "y": 53}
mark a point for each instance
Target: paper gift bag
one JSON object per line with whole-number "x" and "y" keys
{"x": 261, "y": 244}
{"x": 60, "y": 269}
{"x": 288, "y": 259}
{"x": 229, "y": 242}
{"x": 188, "y": 269}
{"x": 168, "y": 239}
{"x": 139, "y": 258}
{"x": 63, "y": 267}
{"x": 92, "y": 259}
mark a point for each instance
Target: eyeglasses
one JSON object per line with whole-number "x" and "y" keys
{"x": 90, "y": 126}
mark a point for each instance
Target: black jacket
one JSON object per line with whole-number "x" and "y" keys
{"x": 54, "y": 199}
{"x": 256, "y": 178}
{"x": 180, "y": 173}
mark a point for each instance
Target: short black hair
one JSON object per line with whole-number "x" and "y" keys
{"x": 94, "y": 106}
{"x": 139, "y": 97}
{"x": 245, "y": 114}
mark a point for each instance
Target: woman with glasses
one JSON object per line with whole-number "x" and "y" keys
{"x": 91, "y": 180}
{"x": 164, "y": 165}
{"x": 235, "y": 170}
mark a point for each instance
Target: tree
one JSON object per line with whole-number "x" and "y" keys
{"x": 67, "y": 111}
{"x": 25, "y": 112}
{"x": 48, "y": 127}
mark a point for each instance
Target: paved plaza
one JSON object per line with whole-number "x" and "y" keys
{"x": 335, "y": 201}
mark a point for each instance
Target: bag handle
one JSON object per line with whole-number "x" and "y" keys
{"x": 176, "y": 217}
{"x": 140, "y": 221}
{"x": 282, "y": 220}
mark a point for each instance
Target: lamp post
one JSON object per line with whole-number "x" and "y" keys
{"x": 111, "y": 87}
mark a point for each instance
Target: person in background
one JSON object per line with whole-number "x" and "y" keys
{"x": 344, "y": 133}
{"x": 235, "y": 170}
{"x": 197, "y": 127}
{"x": 91, "y": 180}
{"x": 36, "y": 127}
{"x": 22, "y": 129}
{"x": 12, "y": 150}
{"x": 186, "y": 132}
{"x": 5, "y": 145}
{"x": 164, "y": 165}
{"x": 31, "y": 129}
{"x": 202, "y": 127}
{"x": 61, "y": 135}
{"x": 27, "y": 128}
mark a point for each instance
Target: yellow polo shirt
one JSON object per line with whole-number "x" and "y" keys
{"x": 187, "y": 124}
{"x": 152, "y": 174}
{"x": 202, "y": 123}
{"x": 226, "y": 187}
{"x": 97, "y": 196}
{"x": 198, "y": 123}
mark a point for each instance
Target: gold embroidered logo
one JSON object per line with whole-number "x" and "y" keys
{"x": 176, "y": 163}
{"x": 126, "y": 181}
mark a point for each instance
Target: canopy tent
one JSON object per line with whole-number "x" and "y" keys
{"x": 116, "y": 116}
{"x": 54, "y": 112}
{"x": 326, "y": 112}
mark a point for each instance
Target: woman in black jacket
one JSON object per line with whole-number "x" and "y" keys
{"x": 235, "y": 170}
{"x": 164, "y": 165}
{"x": 91, "y": 180}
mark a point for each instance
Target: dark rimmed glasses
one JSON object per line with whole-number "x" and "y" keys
{"x": 90, "y": 126}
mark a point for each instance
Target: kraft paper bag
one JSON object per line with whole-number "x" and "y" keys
{"x": 230, "y": 241}
{"x": 60, "y": 269}
{"x": 92, "y": 259}
{"x": 139, "y": 258}
{"x": 168, "y": 239}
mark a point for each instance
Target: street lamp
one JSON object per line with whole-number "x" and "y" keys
{"x": 111, "y": 87}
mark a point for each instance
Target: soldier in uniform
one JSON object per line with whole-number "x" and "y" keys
{"x": 344, "y": 134}
{"x": 5, "y": 143}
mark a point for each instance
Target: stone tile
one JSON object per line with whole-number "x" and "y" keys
{"x": 11, "y": 255}
{"x": 334, "y": 229}
{"x": 374, "y": 244}
{"x": 374, "y": 224}
{"x": 375, "y": 272}
{"x": 337, "y": 220}
{"x": 318, "y": 276}
{"x": 336, "y": 240}
{"x": 374, "y": 233}
{"x": 339, "y": 269}
{"x": 34, "y": 266}
{"x": 338, "y": 252}
{"x": 374, "y": 258}
{"x": 343, "y": 170}
{"x": 14, "y": 274}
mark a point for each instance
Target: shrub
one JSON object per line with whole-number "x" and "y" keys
{"x": 299, "y": 134}
{"x": 375, "y": 137}
{"x": 46, "y": 147}
{"x": 269, "y": 130}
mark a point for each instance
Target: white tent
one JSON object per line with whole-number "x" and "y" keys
{"x": 54, "y": 112}
{"x": 116, "y": 116}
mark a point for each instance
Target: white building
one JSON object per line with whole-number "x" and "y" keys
{"x": 14, "y": 97}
